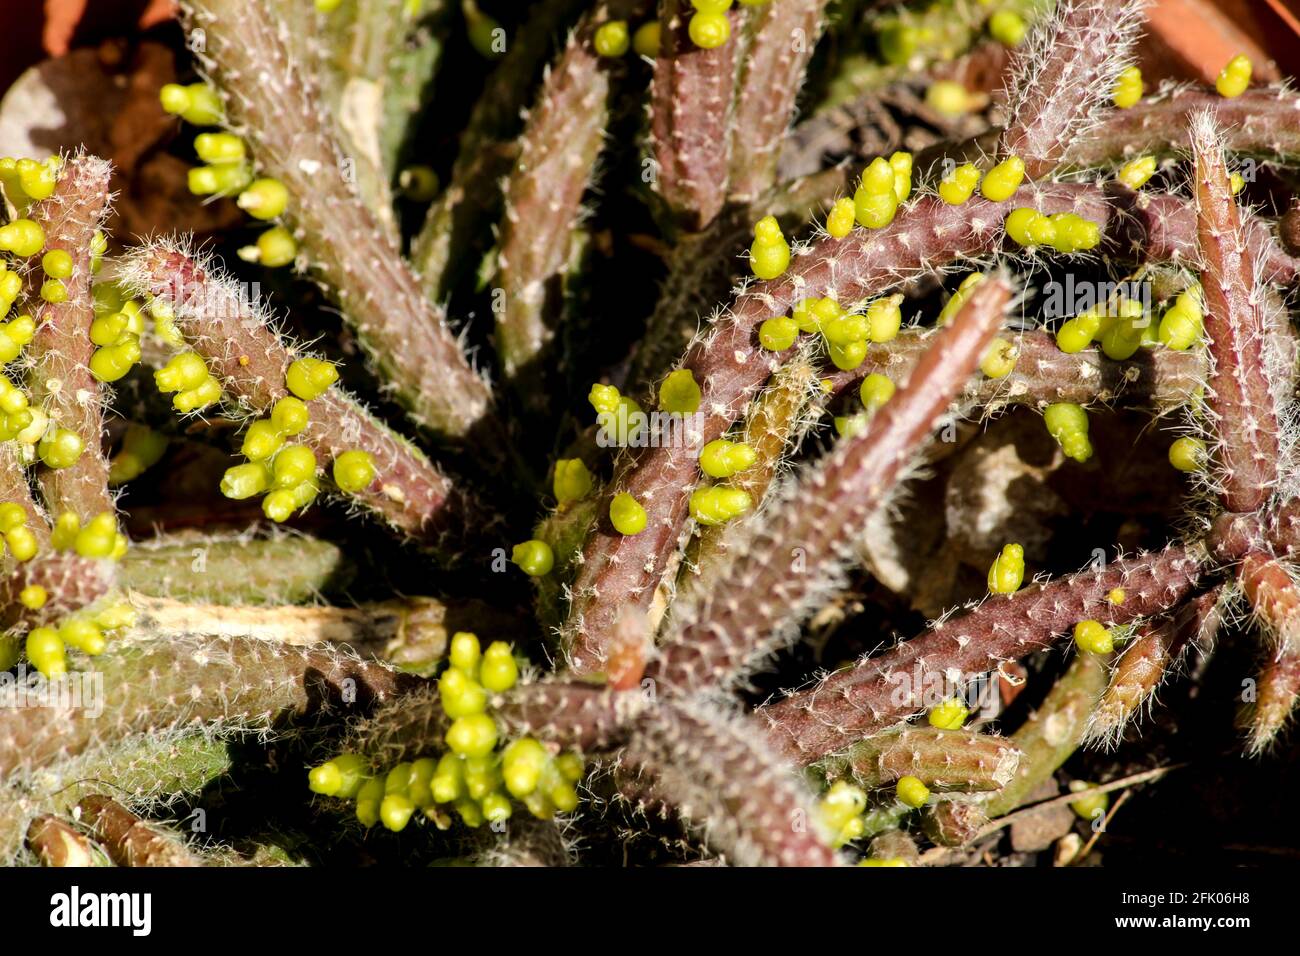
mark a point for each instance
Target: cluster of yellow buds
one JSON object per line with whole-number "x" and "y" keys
{"x": 28, "y": 180}
{"x": 840, "y": 812}
{"x": 18, "y": 537}
{"x": 1120, "y": 325}
{"x": 187, "y": 375}
{"x": 475, "y": 777}
{"x": 98, "y": 538}
{"x": 86, "y": 631}
{"x": 717, "y": 504}
{"x": 118, "y": 348}
{"x": 619, "y": 416}
{"x": 17, "y": 418}
{"x": 1064, "y": 231}
{"x": 229, "y": 171}
{"x": 1093, "y": 637}
{"x": 886, "y": 183}
{"x": 1183, "y": 322}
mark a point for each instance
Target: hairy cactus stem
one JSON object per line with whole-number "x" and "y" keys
{"x": 577, "y": 716}
{"x": 945, "y": 760}
{"x": 716, "y": 770}
{"x": 1239, "y": 394}
{"x": 750, "y": 610}
{"x": 231, "y": 684}
{"x": 1273, "y": 597}
{"x": 128, "y": 840}
{"x": 691, "y": 103}
{"x": 451, "y": 236}
{"x": 730, "y": 367}
{"x": 1147, "y": 660}
{"x": 1061, "y": 78}
{"x": 1159, "y": 379}
{"x": 1260, "y": 122}
{"x": 61, "y": 380}
{"x": 880, "y": 691}
{"x": 1276, "y": 694}
{"x": 543, "y": 199}
{"x": 236, "y": 338}
{"x": 269, "y": 102}
{"x": 233, "y": 569}
{"x": 781, "y": 41}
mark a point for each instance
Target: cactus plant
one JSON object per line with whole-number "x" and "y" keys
{"x": 537, "y": 618}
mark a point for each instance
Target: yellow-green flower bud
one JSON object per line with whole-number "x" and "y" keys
{"x": 959, "y": 185}
{"x": 679, "y": 393}
{"x": 264, "y": 199}
{"x": 1187, "y": 454}
{"x": 354, "y": 470}
{"x": 1128, "y": 88}
{"x": 572, "y": 481}
{"x": 718, "y": 505}
{"x": 778, "y": 333}
{"x": 876, "y": 390}
{"x": 534, "y": 558}
{"x": 722, "y": 458}
{"x": 1001, "y": 182}
{"x": 949, "y": 715}
{"x": 1235, "y": 77}
{"x": 839, "y": 222}
{"x": 1008, "y": 570}
{"x": 646, "y": 39}
{"x": 499, "y": 671}
{"x": 246, "y": 481}
{"x": 709, "y": 30}
{"x": 611, "y": 38}
{"x": 626, "y": 514}
{"x": 1093, "y": 637}
{"x": 912, "y": 792}
{"x": 309, "y": 378}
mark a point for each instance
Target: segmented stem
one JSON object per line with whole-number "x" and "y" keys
{"x": 228, "y": 685}
{"x": 690, "y": 112}
{"x": 128, "y": 840}
{"x": 781, "y": 41}
{"x": 543, "y": 201}
{"x": 1259, "y": 122}
{"x": 947, "y": 760}
{"x": 730, "y": 367}
{"x": 1147, "y": 660}
{"x": 1159, "y": 379}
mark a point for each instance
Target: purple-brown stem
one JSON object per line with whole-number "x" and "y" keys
{"x": 61, "y": 380}
{"x": 690, "y": 113}
{"x": 880, "y": 691}
{"x": 730, "y": 366}
{"x": 244, "y": 352}
{"x": 1238, "y": 393}
{"x": 788, "y": 556}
